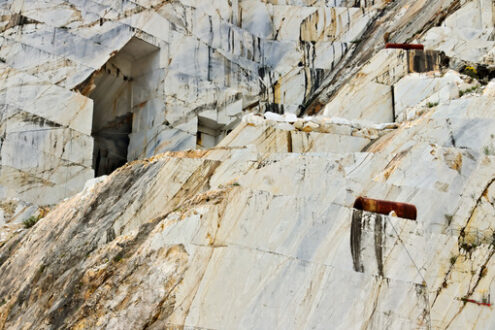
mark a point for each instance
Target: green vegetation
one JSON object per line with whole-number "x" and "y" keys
{"x": 470, "y": 71}
{"x": 431, "y": 104}
{"x": 488, "y": 150}
{"x": 468, "y": 90}
{"x": 118, "y": 257}
{"x": 31, "y": 221}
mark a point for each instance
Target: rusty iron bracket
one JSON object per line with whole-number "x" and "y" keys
{"x": 402, "y": 210}
{"x": 405, "y": 46}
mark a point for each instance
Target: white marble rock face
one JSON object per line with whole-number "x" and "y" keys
{"x": 259, "y": 228}
{"x": 133, "y": 79}
{"x": 225, "y": 220}
{"x": 467, "y": 34}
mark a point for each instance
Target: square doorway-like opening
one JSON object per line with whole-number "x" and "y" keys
{"x": 115, "y": 85}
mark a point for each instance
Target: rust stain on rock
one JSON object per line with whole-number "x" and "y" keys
{"x": 394, "y": 163}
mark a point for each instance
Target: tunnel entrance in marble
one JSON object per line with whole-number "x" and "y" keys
{"x": 117, "y": 84}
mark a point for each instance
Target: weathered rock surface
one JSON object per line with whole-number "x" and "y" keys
{"x": 405, "y": 21}
{"x": 468, "y": 34}
{"x": 258, "y": 232}
{"x": 154, "y": 76}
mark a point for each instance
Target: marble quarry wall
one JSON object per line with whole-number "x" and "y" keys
{"x": 375, "y": 99}
{"x": 90, "y": 85}
{"x": 264, "y": 230}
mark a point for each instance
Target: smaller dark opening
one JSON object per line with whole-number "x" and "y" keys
{"x": 111, "y": 145}
{"x": 420, "y": 63}
{"x": 210, "y": 133}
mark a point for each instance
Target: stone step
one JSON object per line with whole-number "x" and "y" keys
{"x": 268, "y": 139}
{"x": 236, "y": 43}
{"x": 62, "y": 183}
{"x": 34, "y": 137}
{"x": 456, "y": 170}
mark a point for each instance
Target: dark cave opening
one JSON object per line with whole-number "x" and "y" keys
{"x": 112, "y": 116}
{"x": 110, "y": 145}
{"x": 114, "y": 96}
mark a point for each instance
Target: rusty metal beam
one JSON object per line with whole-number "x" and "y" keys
{"x": 405, "y": 46}
{"x": 402, "y": 210}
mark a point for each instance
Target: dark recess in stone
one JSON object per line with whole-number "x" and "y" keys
{"x": 380, "y": 225}
{"x": 356, "y": 232}
{"x": 110, "y": 145}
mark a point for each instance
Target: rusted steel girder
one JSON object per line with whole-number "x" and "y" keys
{"x": 405, "y": 46}
{"x": 402, "y": 210}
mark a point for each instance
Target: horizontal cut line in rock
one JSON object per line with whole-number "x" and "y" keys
{"x": 57, "y": 128}
{"x": 38, "y": 130}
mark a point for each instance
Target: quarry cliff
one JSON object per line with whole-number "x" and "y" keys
{"x": 195, "y": 165}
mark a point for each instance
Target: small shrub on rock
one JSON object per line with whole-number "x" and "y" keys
{"x": 31, "y": 221}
